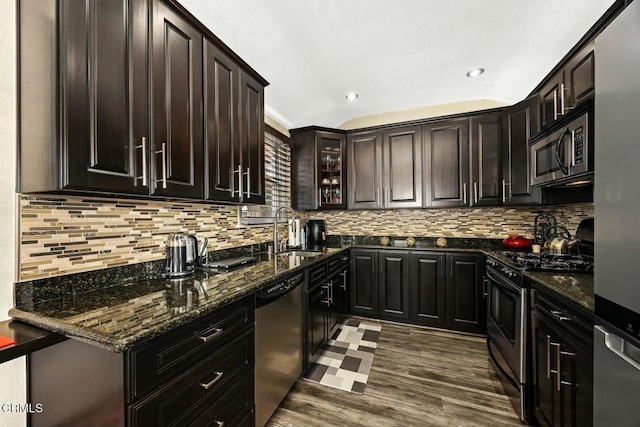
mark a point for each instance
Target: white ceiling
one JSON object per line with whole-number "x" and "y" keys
{"x": 397, "y": 55}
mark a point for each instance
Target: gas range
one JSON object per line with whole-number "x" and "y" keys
{"x": 550, "y": 263}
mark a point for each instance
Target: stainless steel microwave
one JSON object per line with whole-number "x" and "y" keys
{"x": 563, "y": 154}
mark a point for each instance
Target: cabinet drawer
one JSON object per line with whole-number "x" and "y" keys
{"x": 334, "y": 265}
{"x": 553, "y": 308}
{"x": 234, "y": 408}
{"x": 196, "y": 390}
{"x": 317, "y": 275}
{"x": 159, "y": 360}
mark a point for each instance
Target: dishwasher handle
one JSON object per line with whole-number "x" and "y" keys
{"x": 278, "y": 290}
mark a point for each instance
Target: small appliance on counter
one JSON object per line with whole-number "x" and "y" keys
{"x": 516, "y": 242}
{"x": 183, "y": 253}
{"x": 317, "y": 235}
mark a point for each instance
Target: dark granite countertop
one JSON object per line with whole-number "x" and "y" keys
{"x": 119, "y": 317}
{"x": 575, "y": 287}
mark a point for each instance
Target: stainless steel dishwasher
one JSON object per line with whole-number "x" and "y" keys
{"x": 279, "y": 316}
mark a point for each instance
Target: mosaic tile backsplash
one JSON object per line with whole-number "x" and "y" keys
{"x": 497, "y": 222}
{"x": 63, "y": 235}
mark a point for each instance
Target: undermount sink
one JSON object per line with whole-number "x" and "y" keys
{"x": 308, "y": 254}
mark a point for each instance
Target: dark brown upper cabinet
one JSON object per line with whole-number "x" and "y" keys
{"x": 365, "y": 170}
{"x": 111, "y": 101}
{"x": 486, "y": 160}
{"x": 447, "y": 163}
{"x": 233, "y": 131}
{"x": 519, "y": 123}
{"x": 102, "y": 106}
{"x": 568, "y": 87}
{"x": 221, "y": 125}
{"x": 319, "y": 169}
{"x": 177, "y": 144}
{"x": 385, "y": 168}
{"x": 252, "y": 139}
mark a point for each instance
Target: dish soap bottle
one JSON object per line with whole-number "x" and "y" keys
{"x": 303, "y": 237}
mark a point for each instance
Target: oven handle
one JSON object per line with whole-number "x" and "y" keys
{"x": 559, "y": 146}
{"x": 508, "y": 286}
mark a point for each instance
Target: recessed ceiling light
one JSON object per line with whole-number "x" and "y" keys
{"x": 351, "y": 96}
{"x": 475, "y": 72}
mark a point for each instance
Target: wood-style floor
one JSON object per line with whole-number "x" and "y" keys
{"x": 419, "y": 377}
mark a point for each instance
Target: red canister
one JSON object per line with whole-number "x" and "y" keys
{"x": 516, "y": 242}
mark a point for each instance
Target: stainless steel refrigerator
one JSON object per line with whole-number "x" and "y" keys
{"x": 617, "y": 225}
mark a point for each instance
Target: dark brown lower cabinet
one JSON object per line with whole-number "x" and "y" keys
{"x": 176, "y": 379}
{"x": 428, "y": 302}
{"x": 435, "y": 289}
{"x": 393, "y": 284}
{"x": 466, "y": 306}
{"x": 562, "y": 363}
{"x": 364, "y": 282}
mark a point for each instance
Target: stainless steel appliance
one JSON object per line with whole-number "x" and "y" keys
{"x": 507, "y": 330}
{"x": 279, "y": 317}
{"x": 617, "y": 208}
{"x": 183, "y": 254}
{"x": 564, "y": 154}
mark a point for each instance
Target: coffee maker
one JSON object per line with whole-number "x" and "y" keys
{"x": 182, "y": 254}
{"x": 317, "y": 235}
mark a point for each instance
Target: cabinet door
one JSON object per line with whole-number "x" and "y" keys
{"x": 579, "y": 77}
{"x": 364, "y": 283}
{"x": 103, "y": 60}
{"x": 317, "y": 321}
{"x": 177, "y": 106}
{"x": 486, "y": 160}
{"x": 427, "y": 284}
{"x": 576, "y": 367}
{"x": 305, "y": 190}
{"x": 519, "y": 123}
{"x": 402, "y": 156}
{"x": 221, "y": 136}
{"x": 447, "y": 163}
{"x": 550, "y": 100}
{"x": 546, "y": 398}
{"x": 252, "y": 138}
{"x": 331, "y": 153}
{"x": 365, "y": 170}
{"x": 466, "y": 309}
{"x": 393, "y": 284}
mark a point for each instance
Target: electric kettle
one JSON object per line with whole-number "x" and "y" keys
{"x": 183, "y": 254}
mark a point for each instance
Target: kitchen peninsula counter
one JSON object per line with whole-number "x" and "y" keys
{"x": 119, "y": 317}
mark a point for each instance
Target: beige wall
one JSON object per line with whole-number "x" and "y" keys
{"x": 13, "y": 373}
{"x": 421, "y": 113}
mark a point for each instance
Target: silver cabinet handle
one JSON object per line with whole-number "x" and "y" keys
{"x": 344, "y": 281}
{"x": 233, "y": 183}
{"x": 388, "y": 196}
{"x": 319, "y": 197}
{"x": 464, "y": 193}
{"x": 560, "y": 315}
{"x": 475, "y": 192}
{"x": 562, "y": 98}
{"x": 548, "y": 357}
{"x": 617, "y": 345}
{"x": 248, "y": 174}
{"x": 143, "y": 147}
{"x": 555, "y": 104}
{"x": 163, "y": 152}
{"x": 212, "y": 336}
{"x": 504, "y": 191}
{"x": 210, "y": 384}
{"x": 379, "y": 197}
{"x": 219, "y": 423}
{"x": 559, "y": 371}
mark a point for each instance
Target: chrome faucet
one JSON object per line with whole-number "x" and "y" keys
{"x": 277, "y": 247}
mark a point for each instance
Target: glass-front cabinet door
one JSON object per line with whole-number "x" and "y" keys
{"x": 331, "y": 179}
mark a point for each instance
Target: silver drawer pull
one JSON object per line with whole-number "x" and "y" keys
{"x": 213, "y": 335}
{"x": 213, "y": 381}
{"x": 219, "y": 423}
{"x": 560, "y": 316}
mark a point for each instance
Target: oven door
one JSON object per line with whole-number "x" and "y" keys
{"x": 506, "y": 325}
